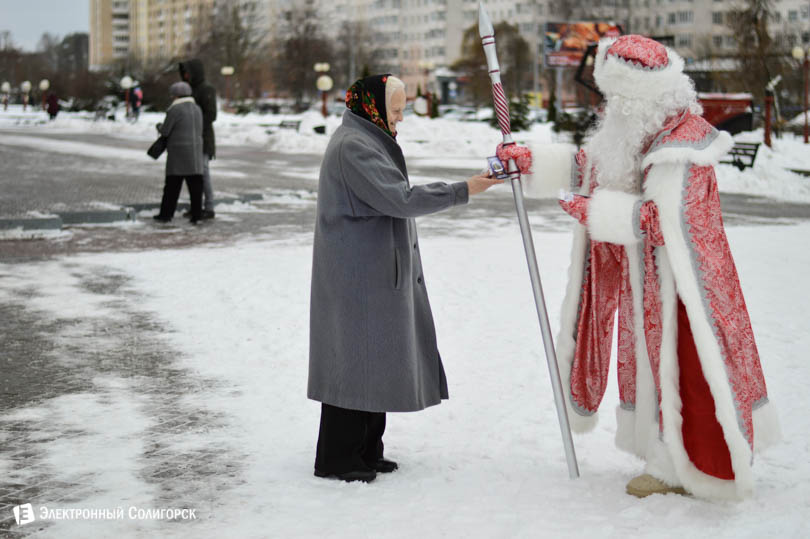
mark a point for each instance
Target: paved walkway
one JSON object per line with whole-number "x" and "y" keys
{"x": 58, "y": 367}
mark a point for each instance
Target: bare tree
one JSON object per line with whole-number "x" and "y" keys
{"x": 353, "y": 53}
{"x": 759, "y": 60}
{"x": 298, "y": 48}
{"x": 514, "y": 57}
{"x": 228, "y": 36}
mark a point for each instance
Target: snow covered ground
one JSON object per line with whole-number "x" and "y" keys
{"x": 444, "y": 142}
{"x": 487, "y": 463}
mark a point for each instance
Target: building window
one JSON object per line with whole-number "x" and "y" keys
{"x": 717, "y": 17}
{"x": 717, "y": 41}
{"x": 685, "y": 40}
{"x": 793, "y": 15}
{"x": 671, "y": 18}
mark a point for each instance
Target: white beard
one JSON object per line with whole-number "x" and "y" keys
{"x": 616, "y": 145}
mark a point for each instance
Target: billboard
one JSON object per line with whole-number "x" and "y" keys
{"x": 565, "y": 43}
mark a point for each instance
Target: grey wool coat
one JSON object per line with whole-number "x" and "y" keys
{"x": 372, "y": 344}
{"x": 183, "y": 129}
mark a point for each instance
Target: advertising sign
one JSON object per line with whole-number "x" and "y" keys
{"x": 565, "y": 43}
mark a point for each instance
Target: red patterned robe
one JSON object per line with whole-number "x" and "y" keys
{"x": 693, "y": 397}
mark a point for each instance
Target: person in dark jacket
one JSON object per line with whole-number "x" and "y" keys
{"x": 372, "y": 339}
{"x": 205, "y": 95}
{"x": 184, "y": 147}
{"x": 53, "y": 105}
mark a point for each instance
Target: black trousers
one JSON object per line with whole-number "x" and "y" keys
{"x": 348, "y": 440}
{"x": 171, "y": 192}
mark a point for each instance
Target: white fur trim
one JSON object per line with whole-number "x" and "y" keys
{"x": 552, "y": 166}
{"x": 610, "y": 217}
{"x": 626, "y": 431}
{"x": 615, "y": 76}
{"x": 664, "y": 186}
{"x": 702, "y": 157}
{"x": 659, "y": 462}
{"x": 568, "y": 323}
{"x": 181, "y": 100}
{"x": 767, "y": 431}
{"x": 633, "y": 428}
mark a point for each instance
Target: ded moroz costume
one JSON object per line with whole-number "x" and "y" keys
{"x": 650, "y": 245}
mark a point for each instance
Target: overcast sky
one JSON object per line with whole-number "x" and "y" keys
{"x": 27, "y": 20}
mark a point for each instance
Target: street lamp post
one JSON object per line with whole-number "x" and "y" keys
{"x": 427, "y": 66}
{"x": 44, "y": 84}
{"x": 5, "y": 89}
{"x": 126, "y": 84}
{"x": 324, "y": 84}
{"x": 25, "y": 88}
{"x": 802, "y": 54}
{"x": 227, "y": 72}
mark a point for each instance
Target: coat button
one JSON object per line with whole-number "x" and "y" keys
{"x": 414, "y": 246}
{"x": 419, "y": 279}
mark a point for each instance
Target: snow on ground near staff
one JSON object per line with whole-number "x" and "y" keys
{"x": 487, "y": 463}
{"x": 460, "y": 144}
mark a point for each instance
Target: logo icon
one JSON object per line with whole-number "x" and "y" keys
{"x": 24, "y": 514}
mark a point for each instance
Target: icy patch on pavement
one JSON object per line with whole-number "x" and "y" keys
{"x": 20, "y": 233}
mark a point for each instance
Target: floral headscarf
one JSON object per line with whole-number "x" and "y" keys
{"x": 366, "y": 98}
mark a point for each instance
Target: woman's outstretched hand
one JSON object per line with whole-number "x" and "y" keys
{"x": 481, "y": 182}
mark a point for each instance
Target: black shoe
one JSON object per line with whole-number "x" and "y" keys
{"x": 208, "y": 214}
{"x": 161, "y": 219}
{"x": 366, "y": 476}
{"x": 383, "y": 466}
{"x": 187, "y": 214}
{"x": 195, "y": 222}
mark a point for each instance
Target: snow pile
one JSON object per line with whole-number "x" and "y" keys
{"x": 771, "y": 175}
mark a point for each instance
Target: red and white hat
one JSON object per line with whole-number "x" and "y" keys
{"x": 636, "y": 66}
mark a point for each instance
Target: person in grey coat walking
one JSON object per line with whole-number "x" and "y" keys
{"x": 372, "y": 339}
{"x": 184, "y": 147}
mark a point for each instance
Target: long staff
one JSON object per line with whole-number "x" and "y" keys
{"x": 487, "y": 33}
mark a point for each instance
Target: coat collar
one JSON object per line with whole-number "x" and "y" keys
{"x": 356, "y": 123}
{"x": 353, "y": 121}
{"x": 180, "y": 100}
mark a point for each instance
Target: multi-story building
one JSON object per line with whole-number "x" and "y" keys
{"x": 109, "y": 32}
{"x": 152, "y": 29}
{"x": 419, "y": 39}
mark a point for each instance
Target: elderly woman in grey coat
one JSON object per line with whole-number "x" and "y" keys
{"x": 372, "y": 339}
{"x": 184, "y": 147}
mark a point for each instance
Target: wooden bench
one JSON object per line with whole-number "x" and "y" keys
{"x": 742, "y": 155}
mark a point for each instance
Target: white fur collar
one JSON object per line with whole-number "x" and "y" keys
{"x": 179, "y": 100}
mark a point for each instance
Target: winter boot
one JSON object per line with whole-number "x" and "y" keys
{"x": 383, "y": 466}
{"x": 366, "y": 476}
{"x": 645, "y": 484}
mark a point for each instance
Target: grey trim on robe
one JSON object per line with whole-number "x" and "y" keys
{"x": 372, "y": 338}
{"x": 184, "y": 148}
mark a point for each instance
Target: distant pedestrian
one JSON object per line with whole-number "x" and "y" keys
{"x": 183, "y": 131}
{"x": 137, "y": 101}
{"x": 53, "y": 105}
{"x": 205, "y": 95}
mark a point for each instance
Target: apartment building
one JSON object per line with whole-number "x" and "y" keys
{"x": 156, "y": 29}
{"x": 109, "y": 32}
{"x": 421, "y": 39}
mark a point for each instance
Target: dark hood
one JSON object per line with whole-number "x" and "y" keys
{"x": 195, "y": 70}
